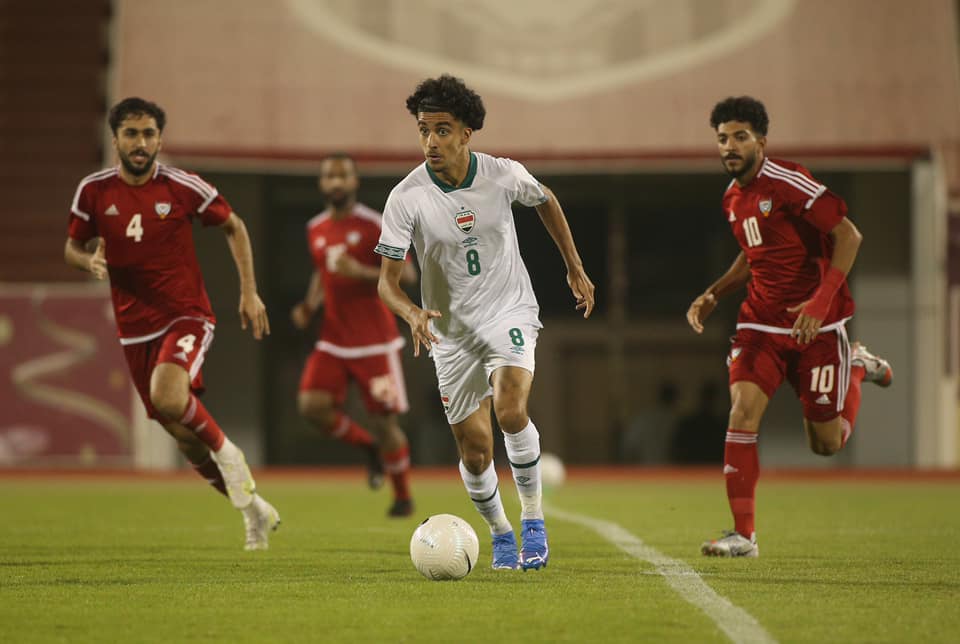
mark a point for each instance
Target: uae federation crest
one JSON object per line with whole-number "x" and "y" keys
{"x": 162, "y": 208}
{"x": 766, "y": 205}
{"x": 466, "y": 220}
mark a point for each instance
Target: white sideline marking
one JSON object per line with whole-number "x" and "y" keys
{"x": 738, "y": 624}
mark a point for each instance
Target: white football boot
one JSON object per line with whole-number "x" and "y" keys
{"x": 878, "y": 370}
{"x": 731, "y": 544}
{"x": 236, "y": 475}
{"x": 259, "y": 519}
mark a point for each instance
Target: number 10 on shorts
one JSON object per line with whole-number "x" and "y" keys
{"x": 821, "y": 379}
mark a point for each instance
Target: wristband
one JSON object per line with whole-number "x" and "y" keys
{"x": 819, "y": 304}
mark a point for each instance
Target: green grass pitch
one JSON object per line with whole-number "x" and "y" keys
{"x": 142, "y": 560}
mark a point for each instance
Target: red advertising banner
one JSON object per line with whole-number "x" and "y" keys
{"x": 65, "y": 396}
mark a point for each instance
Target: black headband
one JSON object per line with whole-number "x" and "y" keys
{"x": 427, "y": 105}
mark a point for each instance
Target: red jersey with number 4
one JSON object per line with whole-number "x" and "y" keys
{"x": 356, "y": 322}
{"x": 148, "y": 230}
{"x": 782, "y": 220}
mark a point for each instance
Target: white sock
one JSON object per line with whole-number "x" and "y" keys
{"x": 523, "y": 452}
{"x": 484, "y": 491}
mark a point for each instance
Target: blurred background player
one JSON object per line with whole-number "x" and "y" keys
{"x": 143, "y": 212}
{"x": 480, "y": 318}
{"x": 359, "y": 339}
{"x": 797, "y": 247}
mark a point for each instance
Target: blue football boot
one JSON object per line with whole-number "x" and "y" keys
{"x": 534, "y": 553}
{"x": 505, "y": 552}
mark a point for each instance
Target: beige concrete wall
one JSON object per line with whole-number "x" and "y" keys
{"x": 298, "y": 77}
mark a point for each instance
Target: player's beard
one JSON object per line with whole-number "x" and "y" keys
{"x": 134, "y": 170}
{"x": 339, "y": 199}
{"x": 747, "y": 165}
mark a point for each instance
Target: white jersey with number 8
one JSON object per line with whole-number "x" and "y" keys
{"x": 466, "y": 242}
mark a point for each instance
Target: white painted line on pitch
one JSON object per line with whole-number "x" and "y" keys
{"x": 738, "y": 624}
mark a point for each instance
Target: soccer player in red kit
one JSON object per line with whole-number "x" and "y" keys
{"x": 797, "y": 247}
{"x": 141, "y": 215}
{"x": 359, "y": 339}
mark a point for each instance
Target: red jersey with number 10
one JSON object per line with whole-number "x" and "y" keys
{"x": 356, "y": 322}
{"x": 155, "y": 278}
{"x": 782, "y": 220}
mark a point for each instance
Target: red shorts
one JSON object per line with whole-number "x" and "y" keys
{"x": 184, "y": 343}
{"x": 819, "y": 372}
{"x": 380, "y": 378}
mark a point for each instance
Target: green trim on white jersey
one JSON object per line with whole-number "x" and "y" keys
{"x": 467, "y": 182}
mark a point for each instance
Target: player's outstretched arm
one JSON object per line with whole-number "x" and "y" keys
{"x": 305, "y": 308}
{"x": 551, "y": 214}
{"x": 76, "y": 255}
{"x": 252, "y": 310}
{"x": 736, "y": 276}
{"x": 846, "y": 243}
{"x": 388, "y": 286}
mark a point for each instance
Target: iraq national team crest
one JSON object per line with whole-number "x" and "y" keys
{"x": 766, "y": 205}
{"x": 466, "y": 220}
{"x": 162, "y": 208}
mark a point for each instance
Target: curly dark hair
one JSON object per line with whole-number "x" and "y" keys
{"x": 134, "y": 106}
{"x": 741, "y": 108}
{"x": 448, "y": 94}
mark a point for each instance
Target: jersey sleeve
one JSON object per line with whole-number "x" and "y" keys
{"x": 826, "y": 212}
{"x": 199, "y": 197}
{"x": 215, "y": 212}
{"x": 396, "y": 232}
{"x": 82, "y": 225}
{"x": 527, "y": 190}
{"x": 811, "y": 200}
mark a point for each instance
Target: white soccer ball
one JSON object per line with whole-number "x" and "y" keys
{"x": 444, "y": 547}
{"x": 552, "y": 471}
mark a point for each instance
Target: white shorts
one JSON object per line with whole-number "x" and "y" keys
{"x": 465, "y": 366}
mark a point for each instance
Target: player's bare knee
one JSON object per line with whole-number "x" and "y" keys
{"x": 512, "y": 418}
{"x": 744, "y": 418}
{"x": 318, "y": 410}
{"x": 170, "y": 402}
{"x": 475, "y": 460}
{"x": 821, "y": 448}
{"x": 829, "y": 446}
{"x": 825, "y": 442}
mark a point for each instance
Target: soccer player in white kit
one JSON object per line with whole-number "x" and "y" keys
{"x": 480, "y": 317}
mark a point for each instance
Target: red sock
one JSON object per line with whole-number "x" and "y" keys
{"x": 200, "y": 421}
{"x": 852, "y": 403}
{"x": 397, "y": 465}
{"x": 741, "y": 466}
{"x": 209, "y": 471}
{"x": 347, "y": 431}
